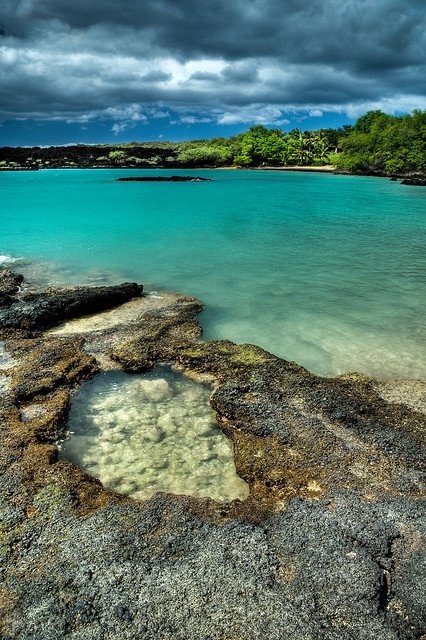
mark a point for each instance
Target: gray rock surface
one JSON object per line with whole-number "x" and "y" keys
{"x": 336, "y": 569}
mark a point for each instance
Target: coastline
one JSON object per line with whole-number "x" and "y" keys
{"x": 405, "y": 179}
{"x": 327, "y": 168}
{"x": 334, "y": 472}
{"x": 320, "y": 169}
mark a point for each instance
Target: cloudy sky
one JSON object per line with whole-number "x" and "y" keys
{"x": 116, "y": 70}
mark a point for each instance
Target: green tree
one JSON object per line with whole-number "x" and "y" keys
{"x": 117, "y": 157}
{"x": 261, "y": 146}
{"x": 382, "y": 143}
{"x": 203, "y": 156}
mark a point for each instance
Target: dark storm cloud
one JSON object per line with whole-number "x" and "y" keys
{"x": 301, "y": 31}
{"x": 241, "y": 72}
{"x": 205, "y": 76}
{"x": 156, "y": 76}
{"x": 83, "y": 59}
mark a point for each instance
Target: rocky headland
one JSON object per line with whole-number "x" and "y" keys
{"x": 329, "y": 545}
{"x": 415, "y": 181}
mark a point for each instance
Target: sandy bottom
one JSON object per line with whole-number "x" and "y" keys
{"x": 140, "y": 434}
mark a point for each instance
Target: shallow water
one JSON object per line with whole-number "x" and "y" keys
{"x": 324, "y": 270}
{"x": 140, "y": 434}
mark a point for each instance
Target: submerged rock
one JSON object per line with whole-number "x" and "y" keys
{"x": 329, "y": 545}
{"x": 9, "y": 285}
{"x": 10, "y": 282}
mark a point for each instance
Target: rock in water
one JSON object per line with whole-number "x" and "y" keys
{"x": 415, "y": 181}
{"x": 164, "y": 179}
{"x": 45, "y": 309}
{"x": 9, "y": 285}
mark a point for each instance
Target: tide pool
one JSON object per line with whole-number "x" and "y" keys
{"x": 321, "y": 269}
{"x": 144, "y": 433}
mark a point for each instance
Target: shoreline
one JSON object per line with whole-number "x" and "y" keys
{"x": 406, "y": 179}
{"x": 326, "y": 168}
{"x": 318, "y": 169}
{"x": 334, "y": 471}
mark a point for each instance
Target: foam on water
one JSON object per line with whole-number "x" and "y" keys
{"x": 6, "y": 260}
{"x": 140, "y": 434}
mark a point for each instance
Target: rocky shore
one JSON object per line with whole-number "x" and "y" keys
{"x": 329, "y": 545}
{"x": 415, "y": 181}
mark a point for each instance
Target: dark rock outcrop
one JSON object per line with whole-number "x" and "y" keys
{"x": 163, "y": 179}
{"x": 416, "y": 181}
{"x": 33, "y": 312}
{"x": 10, "y": 284}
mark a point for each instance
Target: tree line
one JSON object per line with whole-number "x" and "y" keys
{"x": 382, "y": 144}
{"x": 376, "y": 144}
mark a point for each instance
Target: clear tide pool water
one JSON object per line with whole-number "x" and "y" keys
{"x": 140, "y": 434}
{"x": 321, "y": 269}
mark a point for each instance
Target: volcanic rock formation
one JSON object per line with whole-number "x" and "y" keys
{"x": 329, "y": 545}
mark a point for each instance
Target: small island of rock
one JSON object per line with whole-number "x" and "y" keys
{"x": 163, "y": 179}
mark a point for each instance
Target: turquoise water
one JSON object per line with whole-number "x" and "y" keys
{"x": 321, "y": 269}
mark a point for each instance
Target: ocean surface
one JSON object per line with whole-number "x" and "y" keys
{"x": 325, "y": 270}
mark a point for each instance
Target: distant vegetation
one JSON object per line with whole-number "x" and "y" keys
{"x": 384, "y": 144}
{"x": 376, "y": 144}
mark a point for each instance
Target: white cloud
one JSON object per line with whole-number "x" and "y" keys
{"x": 118, "y": 127}
{"x": 392, "y": 104}
{"x": 194, "y": 119}
{"x": 157, "y": 114}
{"x": 130, "y": 113}
{"x": 258, "y": 114}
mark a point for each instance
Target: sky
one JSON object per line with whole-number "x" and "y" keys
{"x": 123, "y": 70}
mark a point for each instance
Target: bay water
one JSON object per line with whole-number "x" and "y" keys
{"x": 322, "y": 269}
